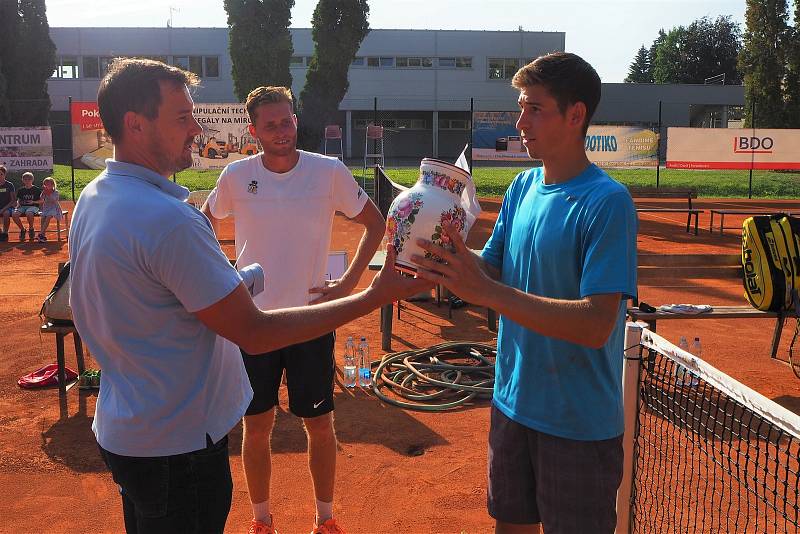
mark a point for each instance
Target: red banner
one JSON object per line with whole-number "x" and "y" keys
{"x": 86, "y": 115}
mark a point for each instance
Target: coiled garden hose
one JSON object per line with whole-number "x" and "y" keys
{"x": 437, "y": 378}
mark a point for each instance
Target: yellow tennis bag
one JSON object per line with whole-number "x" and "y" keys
{"x": 771, "y": 261}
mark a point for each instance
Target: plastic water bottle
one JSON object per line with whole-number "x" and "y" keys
{"x": 350, "y": 363}
{"x": 364, "y": 370}
{"x": 680, "y": 370}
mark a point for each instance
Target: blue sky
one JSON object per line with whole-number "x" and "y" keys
{"x": 606, "y": 33}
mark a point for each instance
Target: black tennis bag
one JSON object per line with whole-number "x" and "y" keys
{"x": 55, "y": 308}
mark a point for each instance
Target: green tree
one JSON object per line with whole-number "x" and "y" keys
{"x": 711, "y": 48}
{"x": 338, "y": 28}
{"x": 668, "y": 64}
{"x": 762, "y": 62}
{"x": 792, "y": 83}
{"x": 696, "y": 52}
{"x": 639, "y": 70}
{"x": 9, "y": 17}
{"x": 651, "y": 53}
{"x": 26, "y": 72}
{"x": 259, "y": 42}
{"x": 4, "y": 108}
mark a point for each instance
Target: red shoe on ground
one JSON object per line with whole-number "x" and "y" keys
{"x": 259, "y": 527}
{"x": 329, "y": 526}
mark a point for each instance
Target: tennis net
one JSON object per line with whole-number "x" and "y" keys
{"x": 708, "y": 454}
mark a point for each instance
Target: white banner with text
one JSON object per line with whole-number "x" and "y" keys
{"x": 26, "y": 148}
{"x": 733, "y": 148}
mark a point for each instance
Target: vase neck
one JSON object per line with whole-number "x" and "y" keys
{"x": 442, "y": 181}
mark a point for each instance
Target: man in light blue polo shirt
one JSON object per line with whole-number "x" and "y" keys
{"x": 559, "y": 266}
{"x": 151, "y": 290}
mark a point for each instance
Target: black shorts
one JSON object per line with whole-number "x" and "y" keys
{"x": 566, "y": 485}
{"x": 309, "y": 377}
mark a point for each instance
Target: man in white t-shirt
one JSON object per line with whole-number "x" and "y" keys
{"x": 284, "y": 201}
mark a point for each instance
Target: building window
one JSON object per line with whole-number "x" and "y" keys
{"x": 66, "y": 67}
{"x": 182, "y": 62}
{"x": 455, "y": 62}
{"x": 358, "y": 62}
{"x": 380, "y": 62}
{"x": 203, "y": 66}
{"x": 196, "y": 64}
{"x": 105, "y": 61}
{"x": 90, "y": 67}
{"x": 211, "y": 66}
{"x": 502, "y": 68}
{"x": 423, "y": 62}
{"x": 297, "y": 61}
{"x": 454, "y": 124}
{"x": 393, "y": 124}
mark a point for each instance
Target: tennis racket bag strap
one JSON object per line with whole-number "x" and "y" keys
{"x": 771, "y": 261}
{"x": 795, "y": 365}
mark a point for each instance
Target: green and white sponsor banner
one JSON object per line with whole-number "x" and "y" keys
{"x": 225, "y": 137}
{"x": 495, "y": 138}
{"x": 26, "y": 149}
{"x": 733, "y": 148}
{"x": 621, "y": 146}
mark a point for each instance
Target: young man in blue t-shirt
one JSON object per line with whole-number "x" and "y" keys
{"x": 559, "y": 266}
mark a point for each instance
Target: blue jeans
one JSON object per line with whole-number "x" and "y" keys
{"x": 188, "y": 492}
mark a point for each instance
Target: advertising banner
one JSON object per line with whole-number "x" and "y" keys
{"x": 91, "y": 145}
{"x": 495, "y": 138}
{"x": 732, "y": 148}
{"x": 225, "y": 137}
{"x": 622, "y": 146}
{"x": 26, "y": 148}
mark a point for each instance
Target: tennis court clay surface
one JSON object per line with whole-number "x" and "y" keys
{"x": 397, "y": 470}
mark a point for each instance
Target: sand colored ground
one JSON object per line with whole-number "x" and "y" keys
{"x": 53, "y": 480}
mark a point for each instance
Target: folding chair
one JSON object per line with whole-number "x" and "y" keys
{"x": 375, "y": 155}
{"x": 333, "y": 133}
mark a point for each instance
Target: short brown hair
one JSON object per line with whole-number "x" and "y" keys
{"x": 567, "y": 77}
{"x": 267, "y": 95}
{"x": 3, "y": 169}
{"x": 133, "y": 85}
{"x": 27, "y": 175}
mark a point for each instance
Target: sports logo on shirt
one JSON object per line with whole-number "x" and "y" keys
{"x": 252, "y": 187}
{"x": 360, "y": 192}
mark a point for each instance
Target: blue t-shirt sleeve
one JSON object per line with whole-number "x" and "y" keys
{"x": 189, "y": 262}
{"x": 609, "y": 261}
{"x": 494, "y": 248}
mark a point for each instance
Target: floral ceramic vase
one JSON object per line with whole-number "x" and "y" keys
{"x": 444, "y": 193}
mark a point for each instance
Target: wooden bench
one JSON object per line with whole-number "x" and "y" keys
{"x": 62, "y": 331}
{"x": 58, "y": 230}
{"x": 669, "y": 192}
{"x": 723, "y": 212}
{"x": 718, "y": 266}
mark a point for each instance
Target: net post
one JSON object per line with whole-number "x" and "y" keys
{"x": 630, "y": 400}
